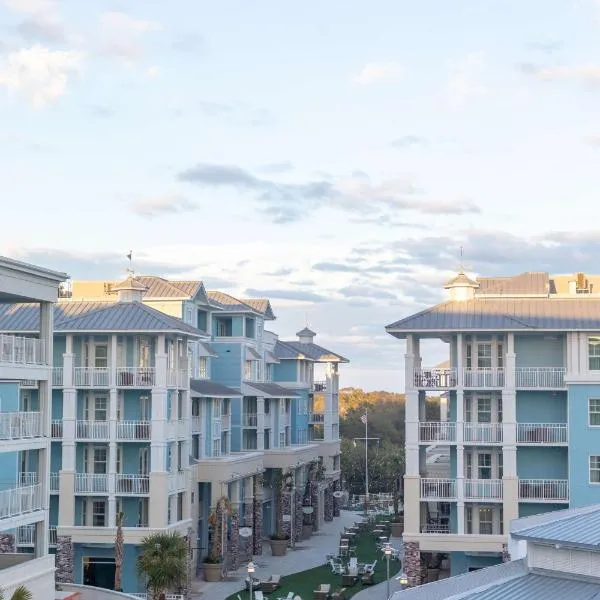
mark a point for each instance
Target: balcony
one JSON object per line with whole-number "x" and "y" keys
{"x": 91, "y": 377}
{"x": 57, "y": 376}
{"x": 483, "y": 489}
{"x": 132, "y": 485}
{"x": 17, "y": 350}
{"x": 319, "y": 387}
{"x": 133, "y": 430}
{"x": 20, "y": 425}
{"x": 216, "y": 427}
{"x": 438, "y": 489}
{"x": 56, "y": 429}
{"x": 136, "y": 377}
{"x": 435, "y": 529}
{"x": 92, "y": 430}
{"x": 552, "y": 434}
{"x": 91, "y": 483}
{"x": 177, "y": 481}
{"x": 540, "y": 377}
{"x": 52, "y": 535}
{"x": 28, "y": 478}
{"x": 54, "y": 482}
{"x": 250, "y": 419}
{"x": 435, "y": 379}
{"x": 197, "y": 424}
{"x": 317, "y": 417}
{"x": 437, "y": 432}
{"x": 482, "y": 433}
{"x": 20, "y": 500}
{"x": 177, "y": 429}
{"x": 25, "y": 535}
{"x": 543, "y": 490}
{"x": 483, "y": 378}
{"x": 225, "y": 422}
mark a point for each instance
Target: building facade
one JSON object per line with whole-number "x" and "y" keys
{"x": 522, "y": 388}
{"x": 25, "y": 431}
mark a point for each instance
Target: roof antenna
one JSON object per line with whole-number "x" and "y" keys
{"x": 130, "y": 258}
{"x": 306, "y": 319}
{"x": 461, "y": 265}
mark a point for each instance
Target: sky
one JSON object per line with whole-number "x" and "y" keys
{"x": 331, "y": 156}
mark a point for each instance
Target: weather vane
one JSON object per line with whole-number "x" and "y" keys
{"x": 130, "y": 258}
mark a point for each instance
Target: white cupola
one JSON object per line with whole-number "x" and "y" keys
{"x": 129, "y": 290}
{"x": 306, "y": 336}
{"x": 461, "y": 288}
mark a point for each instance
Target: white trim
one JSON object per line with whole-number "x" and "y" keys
{"x": 590, "y": 482}
{"x": 590, "y": 398}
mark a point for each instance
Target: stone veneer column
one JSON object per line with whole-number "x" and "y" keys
{"x": 328, "y": 503}
{"x": 7, "y": 543}
{"x": 246, "y": 544}
{"x": 337, "y": 486}
{"x": 233, "y": 551}
{"x": 257, "y": 515}
{"x": 505, "y": 553}
{"x": 314, "y": 500}
{"x": 64, "y": 559}
{"x": 187, "y": 588}
{"x": 298, "y": 515}
{"x": 412, "y": 563}
{"x": 285, "y": 498}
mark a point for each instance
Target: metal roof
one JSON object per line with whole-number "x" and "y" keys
{"x": 267, "y": 390}
{"x": 252, "y": 354}
{"x": 229, "y": 303}
{"x": 209, "y": 350}
{"x": 511, "y": 314}
{"x": 262, "y": 305}
{"x": 271, "y": 358}
{"x": 534, "y": 283}
{"x": 30, "y": 269}
{"x": 204, "y": 388}
{"x": 315, "y": 352}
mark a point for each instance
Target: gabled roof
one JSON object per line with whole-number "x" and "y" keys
{"x": 261, "y": 305}
{"x": 129, "y": 283}
{"x": 228, "y": 303}
{"x": 306, "y": 332}
{"x": 530, "y": 283}
{"x": 74, "y": 316}
{"x": 461, "y": 280}
{"x": 204, "y": 388}
{"x": 158, "y": 287}
{"x": 297, "y": 350}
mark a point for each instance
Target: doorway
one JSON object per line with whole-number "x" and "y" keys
{"x": 99, "y": 572}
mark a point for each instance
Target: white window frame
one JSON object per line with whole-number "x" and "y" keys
{"x": 594, "y": 458}
{"x": 593, "y": 412}
{"x": 595, "y": 355}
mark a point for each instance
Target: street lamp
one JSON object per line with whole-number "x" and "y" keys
{"x": 365, "y": 420}
{"x": 250, "y": 578}
{"x": 387, "y": 551}
{"x": 403, "y": 579}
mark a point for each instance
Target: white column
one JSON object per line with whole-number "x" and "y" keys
{"x": 260, "y": 424}
{"x": 112, "y": 456}
{"x": 510, "y": 362}
{"x": 412, "y": 432}
{"x": 409, "y": 364}
{"x": 460, "y": 456}
{"x": 328, "y": 420}
{"x": 113, "y": 361}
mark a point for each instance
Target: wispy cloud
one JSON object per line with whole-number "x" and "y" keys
{"x": 42, "y": 21}
{"x": 122, "y": 36}
{"x": 464, "y": 80}
{"x": 294, "y": 295}
{"x": 406, "y": 141}
{"x": 237, "y": 113}
{"x": 124, "y": 23}
{"x": 377, "y": 72}
{"x": 190, "y": 42}
{"x": 589, "y": 73}
{"x": 278, "y": 167}
{"x": 162, "y": 205}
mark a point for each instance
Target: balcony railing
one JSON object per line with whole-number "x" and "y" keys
{"x": 216, "y": 427}
{"x": 540, "y": 377}
{"x": 18, "y": 350}
{"x": 56, "y": 429}
{"x": 92, "y": 430}
{"x": 133, "y": 430}
{"x": 52, "y": 536}
{"x": 28, "y": 478}
{"x": 92, "y": 377}
{"x": 250, "y": 419}
{"x": 140, "y": 377}
{"x": 435, "y": 378}
{"x": 91, "y": 483}
{"x": 483, "y": 489}
{"x": 225, "y": 422}
{"x": 177, "y": 429}
{"x": 437, "y": 489}
{"x": 177, "y": 480}
{"x": 57, "y": 376}
{"x": 26, "y": 535}
{"x": 319, "y": 387}
{"x": 542, "y": 433}
{"x": 197, "y": 424}
{"x": 177, "y": 378}
{"x": 20, "y": 500}
{"x": 432, "y": 431}
{"x": 436, "y": 529}
{"x": 20, "y": 425}
{"x": 483, "y": 433}
{"x": 54, "y": 482}
{"x": 317, "y": 417}
{"x": 483, "y": 378}
{"x": 134, "y": 485}
{"x": 544, "y": 490}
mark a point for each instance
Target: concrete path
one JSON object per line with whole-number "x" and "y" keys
{"x": 307, "y": 555}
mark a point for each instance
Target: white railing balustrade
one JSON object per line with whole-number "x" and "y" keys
{"x": 142, "y": 377}
{"x": 26, "y": 535}
{"x": 94, "y": 377}
{"x": 29, "y": 383}
{"x": 52, "y": 535}
{"x": 177, "y": 481}
{"x": 171, "y": 378}
{"x": 18, "y": 350}
{"x": 92, "y": 430}
{"x": 437, "y": 529}
{"x": 483, "y": 489}
{"x": 57, "y": 376}
{"x": 319, "y": 387}
{"x": 433, "y": 431}
{"x": 435, "y": 378}
{"x": 250, "y": 419}
{"x": 56, "y": 429}
{"x": 133, "y": 430}
{"x": 438, "y": 488}
{"x": 483, "y": 378}
{"x": 317, "y": 417}
{"x": 486, "y": 433}
{"x": 225, "y": 422}
{"x": 54, "y": 481}
{"x": 91, "y": 483}
{"x": 216, "y": 427}
{"x": 134, "y": 485}
{"x": 544, "y": 489}
{"x": 28, "y": 478}
{"x": 196, "y": 424}
{"x": 183, "y": 378}
{"x": 20, "y": 425}
{"x": 540, "y": 377}
{"x": 20, "y": 500}
{"x": 542, "y": 433}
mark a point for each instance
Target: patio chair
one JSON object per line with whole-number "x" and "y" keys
{"x": 322, "y": 592}
{"x": 337, "y": 568}
{"x": 258, "y": 595}
{"x": 339, "y": 594}
{"x": 367, "y": 578}
{"x": 271, "y": 584}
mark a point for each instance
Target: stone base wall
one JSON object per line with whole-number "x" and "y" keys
{"x": 329, "y": 503}
{"x": 505, "y": 553}
{"x": 412, "y": 563}
{"x": 246, "y": 545}
{"x": 186, "y": 589}
{"x": 337, "y": 486}
{"x": 64, "y": 559}
{"x": 233, "y": 551}
{"x": 257, "y": 516}
{"x": 7, "y": 543}
{"x": 314, "y": 500}
{"x": 298, "y": 516}
{"x": 285, "y": 499}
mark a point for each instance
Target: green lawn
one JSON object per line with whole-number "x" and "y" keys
{"x": 305, "y": 582}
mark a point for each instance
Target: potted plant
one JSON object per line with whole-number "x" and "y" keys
{"x": 279, "y": 543}
{"x": 211, "y": 566}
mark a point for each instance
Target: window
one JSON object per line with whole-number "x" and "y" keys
{"x": 143, "y": 512}
{"x": 486, "y": 521}
{"x": 594, "y": 353}
{"x": 248, "y": 370}
{"x": 594, "y": 469}
{"x": 202, "y": 367}
{"x": 98, "y": 513}
{"x": 500, "y": 465}
{"x": 469, "y": 519}
{"x": 594, "y": 412}
{"x": 216, "y": 448}
{"x": 469, "y": 465}
{"x": 99, "y": 465}
{"x": 484, "y": 356}
{"x": 224, "y": 326}
{"x": 499, "y": 409}
{"x": 119, "y": 459}
{"x": 101, "y": 357}
{"x": 484, "y": 410}
{"x": 500, "y": 355}
{"x": 484, "y": 466}
{"x": 267, "y": 406}
{"x": 269, "y": 373}
{"x": 469, "y": 360}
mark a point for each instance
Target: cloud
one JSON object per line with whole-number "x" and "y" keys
{"x": 279, "y": 167}
{"x": 162, "y": 205}
{"x": 124, "y": 23}
{"x": 280, "y": 272}
{"x": 122, "y": 36}
{"x": 464, "y": 80}
{"x": 589, "y": 73}
{"x": 377, "y": 72}
{"x": 237, "y": 113}
{"x": 102, "y": 112}
{"x": 289, "y": 202}
{"x": 152, "y": 71}
{"x": 332, "y": 267}
{"x": 40, "y": 75}
{"x": 548, "y": 47}
{"x": 360, "y": 291}
{"x": 190, "y": 42}
{"x": 294, "y": 295}
{"x": 42, "y": 22}
{"x": 406, "y": 141}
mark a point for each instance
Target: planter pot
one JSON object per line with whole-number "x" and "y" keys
{"x": 432, "y": 575}
{"x": 307, "y": 531}
{"x": 397, "y": 529}
{"x": 212, "y": 572}
{"x": 278, "y": 547}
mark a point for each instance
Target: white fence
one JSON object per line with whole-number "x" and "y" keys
{"x": 18, "y": 350}
{"x": 20, "y": 425}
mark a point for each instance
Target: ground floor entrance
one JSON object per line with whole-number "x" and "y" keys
{"x": 99, "y": 572}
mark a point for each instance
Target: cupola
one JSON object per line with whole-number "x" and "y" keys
{"x": 129, "y": 290}
{"x": 461, "y": 288}
{"x": 306, "y": 336}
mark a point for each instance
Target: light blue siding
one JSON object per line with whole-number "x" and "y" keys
{"x": 9, "y": 461}
{"x": 59, "y": 348}
{"x": 286, "y": 370}
{"x": 228, "y": 369}
{"x": 57, "y": 405}
{"x": 461, "y": 562}
{"x": 527, "y": 509}
{"x": 542, "y": 463}
{"x": 537, "y": 350}
{"x": 541, "y": 407}
{"x": 55, "y": 457}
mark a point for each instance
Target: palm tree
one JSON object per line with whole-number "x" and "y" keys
{"x": 119, "y": 552}
{"x": 163, "y": 560}
{"x": 21, "y": 593}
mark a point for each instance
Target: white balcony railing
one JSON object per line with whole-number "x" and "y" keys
{"x": 177, "y": 429}
{"x": 250, "y": 419}
{"x": 166, "y": 596}
{"x": 483, "y": 378}
{"x": 92, "y": 377}
{"x": 26, "y": 535}
{"x": 57, "y": 376}
{"x": 437, "y": 489}
{"x": 433, "y": 431}
{"x": 483, "y": 433}
{"x": 20, "y": 500}
{"x": 18, "y": 350}
{"x": 177, "y": 481}
{"x": 92, "y": 430}
{"x": 52, "y": 535}
{"x": 20, "y": 425}
{"x": 319, "y": 387}
{"x": 91, "y": 483}
{"x": 134, "y": 485}
{"x": 317, "y": 417}
{"x": 28, "y": 478}
{"x": 133, "y": 430}
{"x": 436, "y": 529}
{"x": 542, "y": 433}
{"x": 540, "y": 377}
{"x": 436, "y": 379}
{"x": 197, "y": 424}
{"x": 54, "y": 480}
{"x": 225, "y": 422}
{"x": 216, "y": 427}
{"x": 483, "y": 489}
{"x": 548, "y": 490}
{"x": 141, "y": 377}
{"x": 56, "y": 429}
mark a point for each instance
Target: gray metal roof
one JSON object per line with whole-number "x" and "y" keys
{"x": 536, "y": 283}
{"x": 94, "y": 316}
{"x": 210, "y": 389}
{"x": 284, "y": 352}
{"x": 210, "y": 350}
{"x": 252, "y": 354}
{"x": 268, "y": 390}
{"x": 510, "y": 314}
{"x": 23, "y": 267}
{"x": 271, "y": 358}
{"x": 230, "y": 304}
{"x": 310, "y": 351}
{"x": 262, "y": 305}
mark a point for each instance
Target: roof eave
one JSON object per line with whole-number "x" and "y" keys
{"x": 555, "y": 542}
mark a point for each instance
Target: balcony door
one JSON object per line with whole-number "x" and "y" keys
{"x": 143, "y": 462}
{"x": 95, "y": 459}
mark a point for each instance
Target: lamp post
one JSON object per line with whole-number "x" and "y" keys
{"x": 365, "y": 419}
{"x": 250, "y": 578}
{"x": 403, "y": 579}
{"x": 387, "y": 551}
